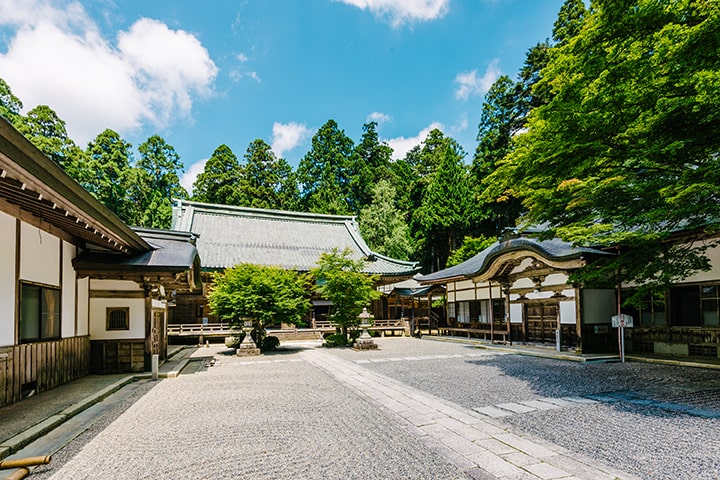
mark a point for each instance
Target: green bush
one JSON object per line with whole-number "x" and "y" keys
{"x": 335, "y": 340}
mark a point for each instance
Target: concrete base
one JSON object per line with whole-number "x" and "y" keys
{"x": 365, "y": 344}
{"x": 247, "y": 352}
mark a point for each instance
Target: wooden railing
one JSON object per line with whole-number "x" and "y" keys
{"x": 197, "y": 329}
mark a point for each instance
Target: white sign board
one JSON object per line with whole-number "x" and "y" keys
{"x": 622, "y": 320}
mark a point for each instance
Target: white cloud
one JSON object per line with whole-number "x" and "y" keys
{"x": 152, "y": 75}
{"x": 378, "y": 118}
{"x": 402, "y": 11}
{"x": 469, "y": 83}
{"x": 188, "y": 178}
{"x": 402, "y": 145}
{"x": 286, "y": 136}
{"x": 242, "y": 57}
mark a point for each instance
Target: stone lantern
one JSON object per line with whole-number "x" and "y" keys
{"x": 365, "y": 341}
{"x": 247, "y": 347}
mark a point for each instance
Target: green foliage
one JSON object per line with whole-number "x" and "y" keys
{"x": 626, "y": 150}
{"x": 265, "y": 294}
{"x": 324, "y": 173}
{"x": 442, "y": 218}
{"x": 372, "y": 164}
{"x": 219, "y": 179}
{"x": 341, "y": 280}
{"x": 267, "y": 182}
{"x": 160, "y": 182}
{"x": 109, "y": 160}
{"x": 382, "y": 225}
{"x": 471, "y": 246}
{"x": 335, "y": 340}
{"x": 47, "y": 132}
{"x": 10, "y": 105}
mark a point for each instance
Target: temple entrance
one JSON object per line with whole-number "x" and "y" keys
{"x": 541, "y": 321}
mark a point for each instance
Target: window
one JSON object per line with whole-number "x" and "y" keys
{"x": 651, "y": 311}
{"x": 117, "y": 318}
{"x": 39, "y": 313}
{"x": 709, "y": 299}
{"x": 462, "y": 311}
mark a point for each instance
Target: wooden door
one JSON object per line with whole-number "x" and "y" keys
{"x": 541, "y": 321}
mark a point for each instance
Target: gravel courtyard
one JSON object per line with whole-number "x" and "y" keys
{"x": 655, "y": 421}
{"x": 280, "y": 417}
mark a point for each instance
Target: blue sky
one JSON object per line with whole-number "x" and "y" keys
{"x": 201, "y": 74}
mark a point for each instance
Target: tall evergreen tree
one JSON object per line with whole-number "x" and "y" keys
{"x": 383, "y": 226}
{"x": 267, "y": 182}
{"x": 46, "y": 130}
{"x": 441, "y": 221}
{"x": 219, "y": 180}
{"x": 159, "y": 165}
{"x": 109, "y": 158}
{"x": 372, "y": 163}
{"x": 324, "y": 172}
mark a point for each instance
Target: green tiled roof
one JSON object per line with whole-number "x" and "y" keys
{"x": 229, "y": 235}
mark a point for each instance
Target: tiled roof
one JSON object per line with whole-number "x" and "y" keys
{"x": 171, "y": 252}
{"x": 231, "y": 235}
{"x": 554, "y": 249}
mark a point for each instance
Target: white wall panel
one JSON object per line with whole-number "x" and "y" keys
{"x": 83, "y": 305}
{"x": 568, "y": 313}
{"x": 39, "y": 256}
{"x": 7, "y": 279}
{"x": 114, "y": 285}
{"x": 68, "y": 291}
{"x": 98, "y": 317}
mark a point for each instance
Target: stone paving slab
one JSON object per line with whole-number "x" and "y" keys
{"x": 471, "y": 440}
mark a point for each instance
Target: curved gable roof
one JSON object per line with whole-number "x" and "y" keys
{"x": 553, "y": 249}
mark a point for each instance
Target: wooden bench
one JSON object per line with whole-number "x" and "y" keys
{"x": 486, "y": 333}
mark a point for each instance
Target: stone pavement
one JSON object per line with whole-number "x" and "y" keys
{"x": 476, "y": 444}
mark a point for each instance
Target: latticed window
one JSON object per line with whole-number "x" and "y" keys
{"x": 118, "y": 318}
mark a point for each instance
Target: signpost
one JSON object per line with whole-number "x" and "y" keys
{"x": 621, "y": 322}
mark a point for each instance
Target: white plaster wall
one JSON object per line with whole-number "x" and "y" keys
{"x": 98, "y": 318}
{"x": 516, "y": 310}
{"x": 7, "y": 280}
{"x": 711, "y": 275}
{"x": 67, "y": 302}
{"x": 567, "y": 313}
{"x": 83, "y": 305}
{"x": 39, "y": 256}
{"x": 123, "y": 285}
{"x": 556, "y": 279}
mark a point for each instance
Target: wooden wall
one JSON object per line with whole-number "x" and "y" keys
{"x": 41, "y": 366}
{"x": 117, "y": 356}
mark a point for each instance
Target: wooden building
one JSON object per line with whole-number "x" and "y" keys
{"x": 228, "y": 236}
{"x": 522, "y": 284}
{"x": 49, "y": 316}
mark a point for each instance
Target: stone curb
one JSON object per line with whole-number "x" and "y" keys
{"x": 22, "y": 439}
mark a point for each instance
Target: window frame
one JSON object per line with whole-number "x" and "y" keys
{"x": 109, "y": 311}
{"x": 46, "y": 319}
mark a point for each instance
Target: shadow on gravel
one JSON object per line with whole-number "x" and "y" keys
{"x": 660, "y": 390}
